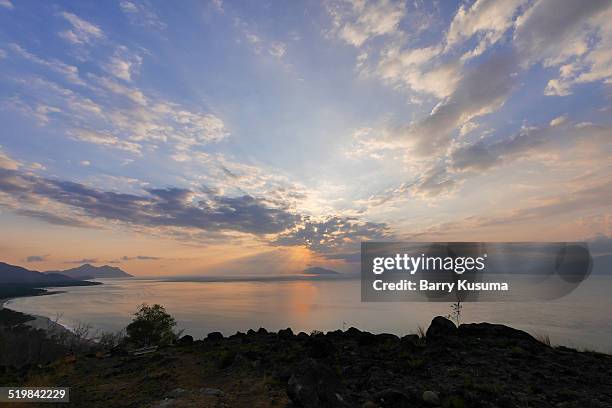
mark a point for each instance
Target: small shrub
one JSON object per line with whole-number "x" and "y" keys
{"x": 109, "y": 340}
{"x": 151, "y": 325}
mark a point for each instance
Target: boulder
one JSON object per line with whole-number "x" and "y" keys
{"x": 441, "y": 328}
{"x": 214, "y": 336}
{"x": 314, "y": 385}
{"x": 431, "y": 398}
{"x": 186, "y": 340}
{"x": 497, "y": 331}
{"x": 285, "y": 333}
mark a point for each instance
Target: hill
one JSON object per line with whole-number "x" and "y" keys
{"x": 317, "y": 270}
{"x": 17, "y": 274}
{"x": 16, "y": 281}
{"x": 88, "y": 271}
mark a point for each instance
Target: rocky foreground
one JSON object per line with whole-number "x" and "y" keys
{"x": 474, "y": 365}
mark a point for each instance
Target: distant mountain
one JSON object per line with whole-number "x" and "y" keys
{"x": 88, "y": 271}
{"x": 317, "y": 270}
{"x": 17, "y": 274}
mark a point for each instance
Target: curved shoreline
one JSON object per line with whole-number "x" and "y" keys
{"x": 39, "y": 322}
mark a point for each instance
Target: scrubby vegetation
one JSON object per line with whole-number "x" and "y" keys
{"x": 152, "y": 325}
{"x": 473, "y": 365}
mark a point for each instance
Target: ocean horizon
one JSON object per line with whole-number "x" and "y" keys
{"x": 578, "y": 320}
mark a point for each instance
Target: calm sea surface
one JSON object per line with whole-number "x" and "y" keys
{"x": 582, "y": 319}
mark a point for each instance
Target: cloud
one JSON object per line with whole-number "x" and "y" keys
{"x": 553, "y": 31}
{"x": 555, "y": 209}
{"x": 82, "y": 31}
{"x": 85, "y": 163}
{"x": 559, "y": 120}
{"x": 414, "y": 68}
{"x": 140, "y": 258}
{"x": 7, "y": 4}
{"x": 218, "y": 4}
{"x": 141, "y": 13}
{"x": 485, "y": 154}
{"x": 356, "y": 22}
{"x": 133, "y": 94}
{"x": 42, "y": 215}
{"x": 70, "y": 72}
{"x": 83, "y": 261}
{"x": 8, "y": 163}
{"x": 36, "y": 258}
{"x": 592, "y": 197}
{"x": 104, "y": 139}
{"x": 109, "y": 122}
{"x": 488, "y": 20}
{"x": 171, "y": 207}
{"x": 123, "y": 64}
{"x": 277, "y": 49}
{"x": 333, "y": 234}
{"x": 482, "y": 90}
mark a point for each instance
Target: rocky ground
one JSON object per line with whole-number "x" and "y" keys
{"x": 474, "y": 365}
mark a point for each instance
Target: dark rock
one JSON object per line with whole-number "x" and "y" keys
{"x": 441, "y": 328}
{"x": 214, "y": 336}
{"x": 239, "y": 335}
{"x": 410, "y": 340}
{"x": 391, "y": 398}
{"x": 431, "y": 398}
{"x": 352, "y": 332}
{"x": 366, "y": 339}
{"x": 320, "y": 347}
{"x": 497, "y": 331}
{"x": 314, "y": 385}
{"x": 186, "y": 340}
{"x": 285, "y": 333}
{"x": 387, "y": 337}
{"x": 335, "y": 333}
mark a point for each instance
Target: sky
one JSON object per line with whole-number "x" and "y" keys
{"x": 230, "y": 137}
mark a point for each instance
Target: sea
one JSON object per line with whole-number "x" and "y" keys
{"x": 581, "y": 319}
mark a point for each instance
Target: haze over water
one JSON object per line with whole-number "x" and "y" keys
{"x": 578, "y": 320}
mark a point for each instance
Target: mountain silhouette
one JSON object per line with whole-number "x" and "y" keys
{"x": 17, "y": 274}
{"x": 317, "y": 270}
{"x": 89, "y": 271}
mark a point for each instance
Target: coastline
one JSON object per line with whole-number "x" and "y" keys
{"x": 39, "y": 322}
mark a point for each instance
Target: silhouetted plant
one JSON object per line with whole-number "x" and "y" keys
{"x": 109, "y": 340}
{"x": 455, "y": 314}
{"x": 151, "y": 325}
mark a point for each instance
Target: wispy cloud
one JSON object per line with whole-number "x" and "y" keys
{"x": 81, "y": 31}
{"x": 7, "y": 4}
{"x": 37, "y": 258}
